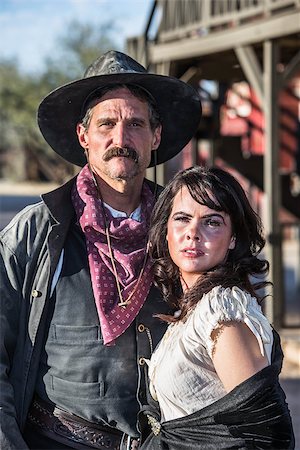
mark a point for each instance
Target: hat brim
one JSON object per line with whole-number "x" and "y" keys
{"x": 178, "y": 105}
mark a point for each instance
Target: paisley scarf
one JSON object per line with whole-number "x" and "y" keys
{"x": 128, "y": 239}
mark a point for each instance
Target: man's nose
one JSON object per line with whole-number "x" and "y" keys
{"x": 119, "y": 135}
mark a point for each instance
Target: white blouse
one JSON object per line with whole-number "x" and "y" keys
{"x": 181, "y": 372}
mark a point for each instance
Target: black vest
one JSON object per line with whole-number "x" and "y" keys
{"x": 77, "y": 372}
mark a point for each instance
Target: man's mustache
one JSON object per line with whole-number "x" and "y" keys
{"x": 126, "y": 152}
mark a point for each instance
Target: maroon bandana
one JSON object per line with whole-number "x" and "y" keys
{"x": 128, "y": 241}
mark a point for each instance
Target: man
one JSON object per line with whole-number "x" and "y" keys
{"x": 77, "y": 300}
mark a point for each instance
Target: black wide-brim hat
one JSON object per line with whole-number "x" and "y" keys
{"x": 177, "y": 102}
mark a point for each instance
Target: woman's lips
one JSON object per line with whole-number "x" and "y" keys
{"x": 192, "y": 252}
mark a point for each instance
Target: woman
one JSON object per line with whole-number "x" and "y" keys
{"x": 215, "y": 372}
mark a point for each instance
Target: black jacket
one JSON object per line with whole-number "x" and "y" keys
{"x": 30, "y": 247}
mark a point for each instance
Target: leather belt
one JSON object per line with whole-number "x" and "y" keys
{"x": 71, "y": 430}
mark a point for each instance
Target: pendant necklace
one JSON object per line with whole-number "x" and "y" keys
{"x": 122, "y": 303}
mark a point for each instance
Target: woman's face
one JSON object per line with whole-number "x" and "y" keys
{"x": 198, "y": 237}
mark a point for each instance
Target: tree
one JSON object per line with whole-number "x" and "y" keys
{"x": 17, "y": 119}
{"x": 24, "y": 155}
{"x": 76, "y": 49}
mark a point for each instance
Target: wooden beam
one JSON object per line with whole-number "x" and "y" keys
{"x": 251, "y": 67}
{"x": 249, "y": 34}
{"x": 292, "y": 68}
{"x": 162, "y": 68}
{"x": 190, "y": 74}
{"x": 272, "y": 183}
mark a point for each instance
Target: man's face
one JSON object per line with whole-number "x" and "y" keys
{"x": 119, "y": 138}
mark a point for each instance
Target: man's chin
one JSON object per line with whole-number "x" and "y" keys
{"x": 125, "y": 176}
{"x": 125, "y": 169}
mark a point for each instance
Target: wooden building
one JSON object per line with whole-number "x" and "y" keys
{"x": 249, "y": 50}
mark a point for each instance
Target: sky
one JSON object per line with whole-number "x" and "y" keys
{"x": 29, "y": 28}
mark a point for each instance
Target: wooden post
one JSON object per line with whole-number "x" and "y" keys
{"x": 272, "y": 185}
{"x": 163, "y": 69}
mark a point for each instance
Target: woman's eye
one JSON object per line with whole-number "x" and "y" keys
{"x": 213, "y": 223}
{"x": 181, "y": 218}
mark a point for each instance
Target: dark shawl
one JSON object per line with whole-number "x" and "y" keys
{"x": 254, "y": 415}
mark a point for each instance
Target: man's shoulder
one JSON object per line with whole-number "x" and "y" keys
{"x": 26, "y": 222}
{"x": 25, "y": 216}
{"x": 34, "y": 221}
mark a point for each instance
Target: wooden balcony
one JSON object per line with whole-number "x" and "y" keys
{"x": 188, "y": 18}
{"x": 200, "y": 35}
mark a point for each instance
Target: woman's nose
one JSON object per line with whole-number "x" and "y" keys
{"x": 193, "y": 233}
{"x": 193, "y": 237}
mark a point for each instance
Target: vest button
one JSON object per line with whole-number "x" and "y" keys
{"x": 142, "y": 361}
{"x": 36, "y": 293}
{"x": 141, "y": 328}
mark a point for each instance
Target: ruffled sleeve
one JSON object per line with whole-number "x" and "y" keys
{"x": 231, "y": 304}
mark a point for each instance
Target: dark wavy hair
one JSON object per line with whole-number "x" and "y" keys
{"x": 242, "y": 263}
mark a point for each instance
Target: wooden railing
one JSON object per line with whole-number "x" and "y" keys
{"x": 173, "y": 20}
{"x": 183, "y": 18}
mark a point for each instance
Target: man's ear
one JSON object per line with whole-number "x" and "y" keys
{"x": 156, "y": 138}
{"x": 82, "y": 136}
